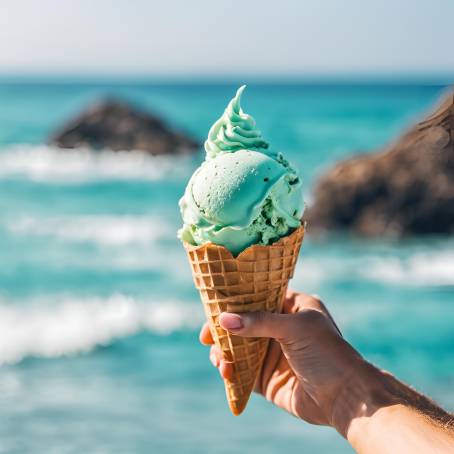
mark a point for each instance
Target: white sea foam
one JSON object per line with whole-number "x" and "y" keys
{"x": 420, "y": 269}
{"x": 105, "y": 230}
{"x": 435, "y": 268}
{"x": 51, "y": 165}
{"x": 72, "y": 326}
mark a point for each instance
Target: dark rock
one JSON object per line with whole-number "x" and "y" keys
{"x": 116, "y": 125}
{"x": 406, "y": 189}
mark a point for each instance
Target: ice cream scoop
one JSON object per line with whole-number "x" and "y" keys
{"x": 243, "y": 193}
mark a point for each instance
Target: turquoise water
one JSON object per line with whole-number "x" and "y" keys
{"x": 98, "y": 314}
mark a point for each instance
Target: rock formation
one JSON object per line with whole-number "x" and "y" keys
{"x": 406, "y": 189}
{"x": 116, "y": 125}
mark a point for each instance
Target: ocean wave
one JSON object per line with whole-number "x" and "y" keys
{"x": 104, "y": 230}
{"x": 48, "y": 164}
{"x": 420, "y": 269}
{"x": 74, "y": 326}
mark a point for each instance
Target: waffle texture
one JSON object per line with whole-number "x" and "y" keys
{"x": 256, "y": 280}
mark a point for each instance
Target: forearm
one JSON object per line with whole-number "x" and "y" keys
{"x": 377, "y": 413}
{"x": 399, "y": 428}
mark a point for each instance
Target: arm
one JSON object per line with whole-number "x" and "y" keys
{"x": 313, "y": 373}
{"x": 387, "y": 416}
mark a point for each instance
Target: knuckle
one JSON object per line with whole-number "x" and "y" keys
{"x": 311, "y": 319}
{"x": 304, "y": 299}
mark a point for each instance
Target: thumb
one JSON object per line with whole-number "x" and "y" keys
{"x": 256, "y": 324}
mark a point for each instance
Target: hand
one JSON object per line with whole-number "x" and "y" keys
{"x": 308, "y": 363}
{"x": 313, "y": 373}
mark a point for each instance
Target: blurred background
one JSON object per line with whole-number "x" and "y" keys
{"x": 98, "y": 314}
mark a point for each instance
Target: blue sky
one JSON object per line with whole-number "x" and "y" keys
{"x": 218, "y": 37}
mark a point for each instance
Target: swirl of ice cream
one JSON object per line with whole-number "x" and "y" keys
{"x": 234, "y": 131}
{"x": 242, "y": 194}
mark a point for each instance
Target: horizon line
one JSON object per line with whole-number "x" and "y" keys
{"x": 363, "y": 78}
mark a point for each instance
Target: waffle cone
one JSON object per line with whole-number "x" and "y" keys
{"x": 256, "y": 280}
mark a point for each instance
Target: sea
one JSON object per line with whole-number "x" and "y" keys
{"x": 99, "y": 318}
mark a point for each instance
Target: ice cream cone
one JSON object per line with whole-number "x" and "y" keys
{"x": 256, "y": 280}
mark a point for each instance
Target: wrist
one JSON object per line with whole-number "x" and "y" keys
{"x": 366, "y": 391}
{"x": 398, "y": 426}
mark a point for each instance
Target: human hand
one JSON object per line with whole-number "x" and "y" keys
{"x": 312, "y": 372}
{"x": 308, "y": 363}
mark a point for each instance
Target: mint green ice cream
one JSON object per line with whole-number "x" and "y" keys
{"x": 243, "y": 193}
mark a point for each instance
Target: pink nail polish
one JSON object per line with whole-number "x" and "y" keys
{"x": 230, "y": 321}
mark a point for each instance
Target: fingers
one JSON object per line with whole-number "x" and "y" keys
{"x": 215, "y": 356}
{"x": 205, "y": 336}
{"x": 264, "y": 324}
{"x": 257, "y": 324}
{"x": 314, "y": 302}
{"x": 297, "y": 301}
{"x": 225, "y": 368}
{"x": 281, "y": 327}
{"x": 290, "y": 296}
{"x": 302, "y": 301}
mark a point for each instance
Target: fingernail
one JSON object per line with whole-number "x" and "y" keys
{"x": 214, "y": 360}
{"x": 230, "y": 321}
